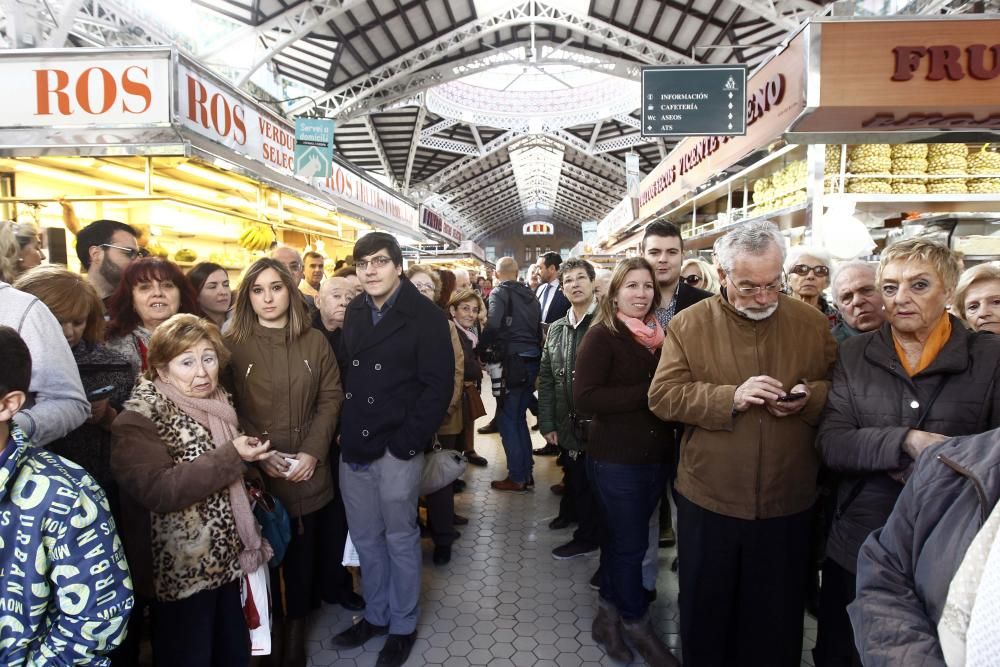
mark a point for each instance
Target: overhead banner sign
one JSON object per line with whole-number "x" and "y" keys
{"x": 694, "y": 100}
{"x": 431, "y": 221}
{"x": 777, "y": 98}
{"x": 314, "y": 147}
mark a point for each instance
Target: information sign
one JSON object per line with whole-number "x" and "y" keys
{"x": 694, "y": 100}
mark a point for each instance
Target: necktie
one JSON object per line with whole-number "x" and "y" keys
{"x": 545, "y": 297}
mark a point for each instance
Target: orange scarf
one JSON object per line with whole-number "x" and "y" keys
{"x": 935, "y": 343}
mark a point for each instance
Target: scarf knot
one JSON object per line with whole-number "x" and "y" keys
{"x": 647, "y": 333}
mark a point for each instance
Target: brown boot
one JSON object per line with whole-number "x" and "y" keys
{"x": 607, "y": 632}
{"x": 295, "y": 643}
{"x": 649, "y": 646}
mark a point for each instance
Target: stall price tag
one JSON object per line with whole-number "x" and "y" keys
{"x": 694, "y": 100}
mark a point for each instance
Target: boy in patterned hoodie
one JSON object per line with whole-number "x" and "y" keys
{"x": 65, "y": 592}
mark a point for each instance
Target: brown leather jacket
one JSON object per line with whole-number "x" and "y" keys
{"x": 749, "y": 465}
{"x": 289, "y": 392}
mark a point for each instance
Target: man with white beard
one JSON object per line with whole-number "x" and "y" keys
{"x": 751, "y": 395}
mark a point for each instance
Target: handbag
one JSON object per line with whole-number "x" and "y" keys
{"x": 476, "y": 407}
{"x": 275, "y": 525}
{"x": 256, "y": 598}
{"x": 581, "y": 427}
{"x": 441, "y": 468}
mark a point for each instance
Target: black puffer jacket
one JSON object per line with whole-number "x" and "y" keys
{"x": 905, "y": 569}
{"x": 514, "y": 319}
{"x": 873, "y": 404}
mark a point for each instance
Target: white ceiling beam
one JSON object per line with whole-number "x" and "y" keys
{"x": 449, "y": 145}
{"x": 624, "y": 141}
{"x": 438, "y": 127}
{"x": 595, "y": 133}
{"x": 525, "y": 13}
{"x": 380, "y": 151}
{"x": 64, "y": 24}
{"x": 414, "y": 143}
{"x": 475, "y": 136}
{"x": 788, "y": 14}
{"x": 291, "y": 21}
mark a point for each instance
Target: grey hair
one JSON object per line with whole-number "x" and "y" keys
{"x": 796, "y": 253}
{"x": 847, "y": 266}
{"x": 752, "y": 238}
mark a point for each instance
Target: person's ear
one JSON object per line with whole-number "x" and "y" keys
{"x": 10, "y": 404}
{"x": 162, "y": 374}
{"x": 722, "y": 274}
{"x": 94, "y": 252}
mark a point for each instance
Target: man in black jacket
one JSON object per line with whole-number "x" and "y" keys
{"x": 398, "y": 386}
{"x": 550, "y": 295}
{"x": 514, "y": 326}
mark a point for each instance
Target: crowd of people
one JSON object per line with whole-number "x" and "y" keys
{"x": 785, "y": 419}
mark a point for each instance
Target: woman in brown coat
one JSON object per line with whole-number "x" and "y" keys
{"x": 286, "y": 385}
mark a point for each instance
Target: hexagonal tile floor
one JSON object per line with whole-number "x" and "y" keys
{"x": 503, "y": 600}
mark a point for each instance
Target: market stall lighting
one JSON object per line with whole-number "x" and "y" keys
{"x": 163, "y": 182}
{"x": 73, "y": 162}
{"x": 227, "y": 182}
{"x": 69, "y": 177}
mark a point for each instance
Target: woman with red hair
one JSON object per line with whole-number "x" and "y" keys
{"x": 151, "y": 291}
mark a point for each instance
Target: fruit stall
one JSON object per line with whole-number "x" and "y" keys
{"x": 150, "y": 138}
{"x": 850, "y": 145}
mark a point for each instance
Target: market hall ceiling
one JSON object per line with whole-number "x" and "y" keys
{"x": 442, "y": 97}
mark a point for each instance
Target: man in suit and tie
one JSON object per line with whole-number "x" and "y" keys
{"x": 554, "y": 303}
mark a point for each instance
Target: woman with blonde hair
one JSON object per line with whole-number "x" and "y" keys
{"x": 286, "y": 386}
{"x": 699, "y": 273}
{"x": 627, "y": 459}
{"x": 977, "y": 297}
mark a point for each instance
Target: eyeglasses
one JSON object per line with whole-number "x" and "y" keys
{"x": 771, "y": 288}
{"x": 804, "y": 269}
{"x": 131, "y": 253}
{"x": 378, "y": 262}
{"x": 472, "y": 310}
{"x": 424, "y": 287}
{"x": 692, "y": 279}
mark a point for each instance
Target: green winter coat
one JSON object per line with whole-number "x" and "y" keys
{"x": 555, "y": 378}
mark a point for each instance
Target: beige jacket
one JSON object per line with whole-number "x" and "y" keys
{"x": 452, "y": 424}
{"x": 749, "y": 465}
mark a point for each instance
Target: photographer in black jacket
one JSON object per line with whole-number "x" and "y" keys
{"x": 513, "y": 330}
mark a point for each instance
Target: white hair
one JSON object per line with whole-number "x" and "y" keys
{"x": 849, "y": 265}
{"x": 752, "y": 238}
{"x": 796, "y": 253}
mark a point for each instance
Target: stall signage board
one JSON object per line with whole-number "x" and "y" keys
{"x": 881, "y": 76}
{"x": 347, "y": 185}
{"x": 776, "y": 97}
{"x": 431, "y": 221}
{"x": 694, "y": 100}
{"x": 85, "y": 89}
{"x": 616, "y": 220}
{"x": 314, "y": 147}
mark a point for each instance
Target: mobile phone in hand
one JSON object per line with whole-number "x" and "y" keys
{"x": 101, "y": 393}
{"x": 794, "y": 396}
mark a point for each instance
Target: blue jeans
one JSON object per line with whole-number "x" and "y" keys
{"x": 513, "y": 425}
{"x": 628, "y": 496}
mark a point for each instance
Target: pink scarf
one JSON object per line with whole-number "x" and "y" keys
{"x": 649, "y": 335}
{"x": 470, "y": 334}
{"x": 218, "y": 416}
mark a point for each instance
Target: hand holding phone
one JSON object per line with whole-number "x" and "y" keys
{"x": 791, "y": 396}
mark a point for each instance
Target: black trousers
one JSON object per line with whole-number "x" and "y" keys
{"x": 205, "y": 630}
{"x": 567, "y": 501}
{"x": 441, "y": 503}
{"x": 590, "y": 520}
{"x": 834, "y": 635}
{"x": 742, "y": 588}
{"x": 310, "y": 563}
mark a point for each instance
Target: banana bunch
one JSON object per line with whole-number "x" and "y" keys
{"x": 908, "y": 186}
{"x": 983, "y": 186}
{"x": 257, "y": 236}
{"x": 909, "y": 166}
{"x": 984, "y": 162}
{"x": 909, "y": 151}
{"x": 947, "y": 186}
{"x": 869, "y": 186}
{"x": 862, "y": 151}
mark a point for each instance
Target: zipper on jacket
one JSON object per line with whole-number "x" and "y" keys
{"x": 249, "y": 368}
{"x": 308, "y": 367}
{"x": 760, "y": 431}
{"x": 980, "y": 489}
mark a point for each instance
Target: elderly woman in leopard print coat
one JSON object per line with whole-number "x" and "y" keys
{"x": 190, "y": 532}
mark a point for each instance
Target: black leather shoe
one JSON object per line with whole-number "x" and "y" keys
{"x": 351, "y": 601}
{"x": 547, "y": 450}
{"x": 459, "y": 520}
{"x": 476, "y": 460}
{"x": 488, "y": 429}
{"x": 359, "y": 633}
{"x": 458, "y": 486}
{"x": 442, "y": 554}
{"x": 559, "y": 523}
{"x": 396, "y": 650}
